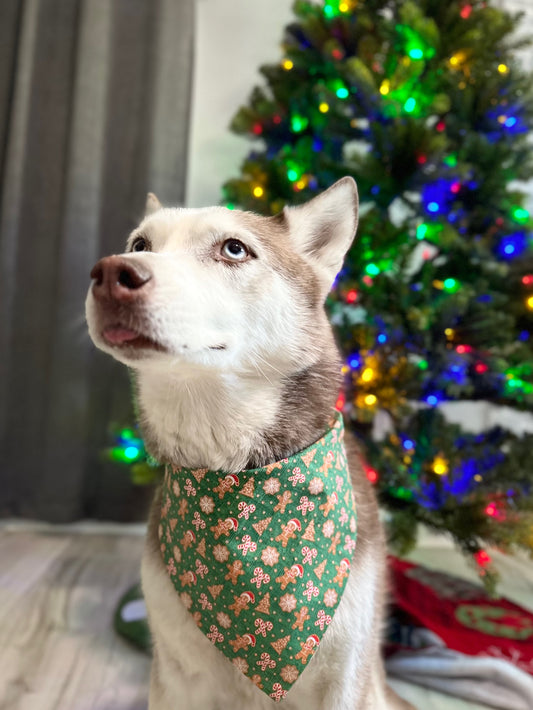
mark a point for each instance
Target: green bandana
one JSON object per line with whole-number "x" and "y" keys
{"x": 261, "y": 558}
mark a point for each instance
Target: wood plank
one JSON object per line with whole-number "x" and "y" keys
{"x": 58, "y": 650}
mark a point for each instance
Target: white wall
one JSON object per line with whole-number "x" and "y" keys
{"x": 233, "y": 38}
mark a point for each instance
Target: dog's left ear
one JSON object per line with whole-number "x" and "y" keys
{"x": 323, "y": 228}
{"x": 152, "y": 204}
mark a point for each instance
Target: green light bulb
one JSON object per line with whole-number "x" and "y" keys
{"x": 421, "y": 231}
{"x": 372, "y": 269}
{"x": 131, "y": 452}
{"x": 451, "y": 285}
{"x": 343, "y": 93}
{"x": 410, "y": 105}
{"x": 416, "y": 53}
{"x": 519, "y": 214}
{"x": 299, "y": 123}
{"x": 451, "y": 160}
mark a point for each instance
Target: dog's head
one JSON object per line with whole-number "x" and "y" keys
{"x": 222, "y": 289}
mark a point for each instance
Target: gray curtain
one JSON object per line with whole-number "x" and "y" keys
{"x": 94, "y": 108}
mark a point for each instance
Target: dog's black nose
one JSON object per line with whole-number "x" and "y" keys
{"x": 119, "y": 278}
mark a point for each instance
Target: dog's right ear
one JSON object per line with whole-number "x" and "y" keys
{"x": 152, "y": 204}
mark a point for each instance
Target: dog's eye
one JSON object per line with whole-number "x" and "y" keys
{"x": 140, "y": 244}
{"x": 235, "y": 250}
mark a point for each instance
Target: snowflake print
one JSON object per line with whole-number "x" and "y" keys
{"x": 330, "y": 597}
{"x": 271, "y": 486}
{"x": 207, "y": 504}
{"x": 328, "y": 528}
{"x": 224, "y": 620}
{"x": 241, "y": 664}
{"x": 270, "y": 556}
{"x": 288, "y": 602}
{"x": 186, "y": 600}
{"x": 289, "y": 674}
{"x": 220, "y": 553}
{"x": 316, "y": 486}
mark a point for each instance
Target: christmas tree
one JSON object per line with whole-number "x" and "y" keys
{"x": 425, "y": 105}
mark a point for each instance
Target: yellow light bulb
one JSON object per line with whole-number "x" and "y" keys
{"x": 258, "y": 191}
{"x": 384, "y": 88}
{"x": 457, "y": 59}
{"x": 370, "y": 399}
{"x": 503, "y": 68}
{"x": 440, "y": 466}
{"x": 323, "y": 107}
{"x": 529, "y": 303}
{"x": 367, "y": 374}
{"x": 345, "y": 369}
{"x": 344, "y": 7}
{"x": 449, "y": 332}
{"x": 287, "y": 64}
{"x": 301, "y": 184}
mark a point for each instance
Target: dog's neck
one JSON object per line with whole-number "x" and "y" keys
{"x": 207, "y": 419}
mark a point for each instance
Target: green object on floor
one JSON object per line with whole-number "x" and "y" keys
{"x": 130, "y": 620}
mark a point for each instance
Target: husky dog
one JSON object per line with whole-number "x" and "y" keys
{"x": 220, "y": 313}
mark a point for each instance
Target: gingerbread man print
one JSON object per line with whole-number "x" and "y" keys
{"x": 224, "y": 527}
{"x": 308, "y": 648}
{"x": 243, "y": 642}
{"x": 330, "y": 504}
{"x": 343, "y": 570}
{"x": 283, "y": 501}
{"x": 226, "y": 484}
{"x": 288, "y": 531}
{"x": 290, "y": 576}
{"x": 242, "y": 602}
{"x": 188, "y": 539}
{"x": 301, "y": 617}
{"x": 234, "y": 571}
{"x": 188, "y": 579}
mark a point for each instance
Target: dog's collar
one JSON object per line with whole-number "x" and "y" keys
{"x": 260, "y": 558}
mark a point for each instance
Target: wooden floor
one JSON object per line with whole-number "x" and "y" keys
{"x": 58, "y": 650}
{"x": 59, "y": 588}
